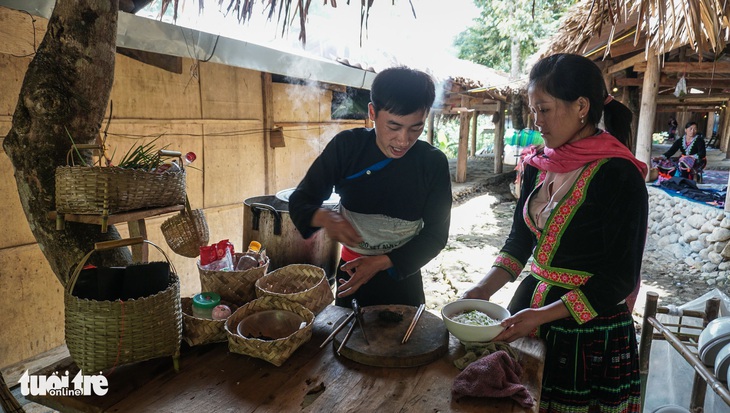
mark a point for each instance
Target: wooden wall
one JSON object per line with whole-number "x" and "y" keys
{"x": 218, "y": 114}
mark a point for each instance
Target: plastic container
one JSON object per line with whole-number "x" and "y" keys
{"x": 204, "y": 303}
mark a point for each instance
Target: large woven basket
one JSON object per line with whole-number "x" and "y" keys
{"x": 302, "y": 283}
{"x": 276, "y": 351}
{"x": 93, "y": 190}
{"x": 186, "y": 232}
{"x": 237, "y": 287}
{"x": 198, "y": 331}
{"x": 106, "y": 334}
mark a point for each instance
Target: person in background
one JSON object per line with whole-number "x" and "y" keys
{"x": 395, "y": 195}
{"x": 672, "y": 128}
{"x": 582, "y": 216}
{"x": 691, "y": 145}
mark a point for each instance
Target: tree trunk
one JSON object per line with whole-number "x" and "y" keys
{"x": 515, "y": 60}
{"x": 65, "y": 92}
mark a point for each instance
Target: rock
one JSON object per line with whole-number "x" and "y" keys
{"x": 709, "y": 267}
{"x": 696, "y": 246}
{"x": 714, "y": 257}
{"x": 725, "y": 223}
{"x": 692, "y": 235}
{"x": 726, "y": 252}
{"x": 719, "y": 235}
{"x": 695, "y": 221}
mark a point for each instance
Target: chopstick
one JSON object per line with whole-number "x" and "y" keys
{"x": 337, "y": 330}
{"x": 347, "y": 337}
{"x": 413, "y": 323}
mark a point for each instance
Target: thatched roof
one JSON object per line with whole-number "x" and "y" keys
{"x": 702, "y": 24}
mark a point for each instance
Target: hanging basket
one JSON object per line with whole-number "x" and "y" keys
{"x": 106, "y": 334}
{"x": 186, "y": 232}
{"x": 302, "y": 283}
{"x": 95, "y": 190}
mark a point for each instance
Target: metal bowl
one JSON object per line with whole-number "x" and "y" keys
{"x": 473, "y": 333}
{"x": 270, "y": 324}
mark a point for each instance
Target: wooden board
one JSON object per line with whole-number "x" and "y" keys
{"x": 429, "y": 340}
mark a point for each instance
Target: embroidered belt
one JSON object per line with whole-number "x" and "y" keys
{"x": 560, "y": 278}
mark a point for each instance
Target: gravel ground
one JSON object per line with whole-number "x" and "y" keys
{"x": 479, "y": 227}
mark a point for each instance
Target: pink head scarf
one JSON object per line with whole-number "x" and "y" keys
{"x": 572, "y": 156}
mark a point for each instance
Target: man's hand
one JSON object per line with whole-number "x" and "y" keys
{"x": 336, "y": 227}
{"x": 361, "y": 270}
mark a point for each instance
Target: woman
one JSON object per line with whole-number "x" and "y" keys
{"x": 582, "y": 214}
{"x": 692, "y": 145}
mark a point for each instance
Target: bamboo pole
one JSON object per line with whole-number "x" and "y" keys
{"x": 473, "y": 133}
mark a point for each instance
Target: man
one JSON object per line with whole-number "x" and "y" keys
{"x": 395, "y": 195}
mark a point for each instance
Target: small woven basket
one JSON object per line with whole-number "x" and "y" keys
{"x": 302, "y": 283}
{"x": 107, "y": 334}
{"x": 276, "y": 351}
{"x": 198, "y": 331}
{"x": 237, "y": 287}
{"x": 186, "y": 232}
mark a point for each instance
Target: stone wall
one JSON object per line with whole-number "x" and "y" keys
{"x": 694, "y": 234}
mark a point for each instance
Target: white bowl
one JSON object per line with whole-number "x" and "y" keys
{"x": 467, "y": 332}
{"x": 671, "y": 409}
{"x": 722, "y": 362}
{"x": 712, "y": 339}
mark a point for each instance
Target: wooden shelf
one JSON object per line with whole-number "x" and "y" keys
{"x": 135, "y": 222}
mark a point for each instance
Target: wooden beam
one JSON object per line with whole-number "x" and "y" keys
{"x": 720, "y": 83}
{"x": 627, "y": 46}
{"x": 674, "y": 109}
{"x": 689, "y": 67}
{"x": 692, "y": 99}
{"x": 172, "y": 64}
{"x": 473, "y": 134}
{"x": 627, "y": 63}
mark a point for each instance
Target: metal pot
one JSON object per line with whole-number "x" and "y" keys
{"x": 266, "y": 220}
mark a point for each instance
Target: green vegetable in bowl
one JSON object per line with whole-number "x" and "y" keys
{"x": 475, "y": 318}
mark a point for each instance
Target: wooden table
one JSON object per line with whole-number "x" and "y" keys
{"x": 312, "y": 380}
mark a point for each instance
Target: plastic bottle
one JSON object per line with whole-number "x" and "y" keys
{"x": 250, "y": 258}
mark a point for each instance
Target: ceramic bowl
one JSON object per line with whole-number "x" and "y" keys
{"x": 712, "y": 339}
{"x": 270, "y": 324}
{"x": 671, "y": 409}
{"x": 476, "y": 333}
{"x": 722, "y": 362}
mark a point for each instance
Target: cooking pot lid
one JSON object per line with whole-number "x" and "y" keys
{"x": 284, "y": 195}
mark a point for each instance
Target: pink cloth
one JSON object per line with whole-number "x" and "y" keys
{"x": 572, "y": 156}
{"x": 494, "y": 375}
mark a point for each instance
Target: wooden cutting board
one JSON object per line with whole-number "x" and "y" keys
{"x": 429, "y": 340}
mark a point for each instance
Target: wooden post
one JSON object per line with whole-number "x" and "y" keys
{"x": 429, "y": 131}
{"x": 710, "y": 124}
{"x": 473, "y": 133}
{"x": 463, "y": 142}
{"x": 647, "y": 112}
{"x": 267, "y": 93}
{"x": 699, "y": 385}
{"x": 499, "y": 138}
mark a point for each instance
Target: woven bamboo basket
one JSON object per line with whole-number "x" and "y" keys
{"x": 302, "y": 283}
{"x": 95, "y": 190}
{"x": 186, "y": 232}
{"x": 198, "y": 331}
{"x": 276, "y": 351}
{"x": 237, "y": 287}
{"x": 107, "y": 334}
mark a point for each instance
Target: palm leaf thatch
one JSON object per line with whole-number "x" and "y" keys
{"x": 704, "y": 25}
{"x": 286, "y": 11}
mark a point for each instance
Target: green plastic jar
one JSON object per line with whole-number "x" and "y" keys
{"x": 204, "y": 303}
